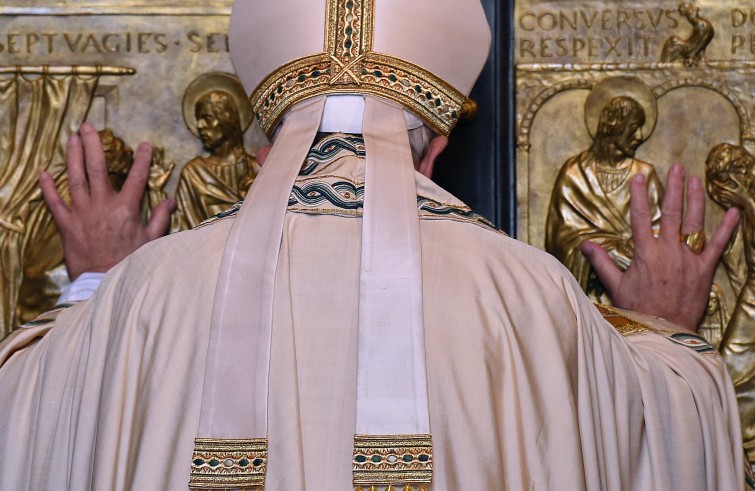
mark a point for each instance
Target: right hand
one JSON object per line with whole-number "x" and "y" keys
{"x": 666, "y": 278}
{"x": 102, "y": 226}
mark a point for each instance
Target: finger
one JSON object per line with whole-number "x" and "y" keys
{"x": 737, "y": 180}
{"x": 694, "y": 219}
{"x": 673, "y": 202}
{"x": 608, "y": 273}
{"x": 712, "y": 252}
{"x": 262, "y": 154}
{"x": 639, "y": 212}
{"x": 160, "y": 219}
{"x": 94, "y": 160}
{"x": 136, "y": 182}
{"x": 77, "y": 181}
{"x": 58, "y": 208}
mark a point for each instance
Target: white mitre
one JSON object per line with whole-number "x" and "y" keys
{"x": 391, "y": 57}
{"x": 424, "y": 55}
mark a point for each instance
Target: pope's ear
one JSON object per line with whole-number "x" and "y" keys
{"x": 436, "y": 147}
{"x": 262, "y": 154}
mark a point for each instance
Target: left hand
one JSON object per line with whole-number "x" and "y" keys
{"x": 666, "y": 278}
{"x": 102, "y": 226}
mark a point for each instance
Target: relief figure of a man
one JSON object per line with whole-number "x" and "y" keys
{"x": 213, "y": 183}
{"x": 590, "y": 199}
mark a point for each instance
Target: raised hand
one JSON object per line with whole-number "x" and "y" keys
{"x": 160, "y": 170}
{"x": 732, "y": 193}
{"x": 102, "y": 226}
{"x": 666, "y": 278}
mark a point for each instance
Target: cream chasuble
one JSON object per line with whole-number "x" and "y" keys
{"x": 528, "y": 386}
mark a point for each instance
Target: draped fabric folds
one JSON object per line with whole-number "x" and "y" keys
{"x": 36, "y": 117}
{"x": 528, "y": 386}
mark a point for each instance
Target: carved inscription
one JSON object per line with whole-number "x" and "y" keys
{"x": 51, "y": 43}
{"x": 592, "y": 34}
{"x": 555, "y": 32}
{"x": 743, "y": 30}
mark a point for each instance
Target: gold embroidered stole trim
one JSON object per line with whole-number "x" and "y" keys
{"x": 621, "y": 323}
{"x": 222, "y": 463}
{"x": 392, "y": 460}
{"x": 350, "y": 66}
{"x": 391, "y": 487}
{"x": 627, "y": 327}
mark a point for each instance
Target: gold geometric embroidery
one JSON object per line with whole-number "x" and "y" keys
{"x": 350, "y": 66}
{"x": 623, "y": 324}
{"x": 408, "y": 487}
{"x": 228, "y": 463}
{"x": 392, "y": 460}
{"x": 349, "y": 30}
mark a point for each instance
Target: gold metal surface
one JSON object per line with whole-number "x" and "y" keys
{"x": 122, "y": 64}
{"x": 216, "y": 111}
{"x": 590, "y": 198}
{"x": 690, "y": 50}
{"x": 33, "y": 110}
{"x": 696, "y": 60}
{"x": 730, "y": 175}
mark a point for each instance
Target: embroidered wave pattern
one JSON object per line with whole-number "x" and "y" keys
{"x": 434, "y": 208}
{"x": 335, "y": 196}
{"x": 329, "y": 148}
{"x": 347, "y": 199}
{"x": 332, "y": 195}
{"x": 233, "y": 210}
{"x": 692, "y": 341}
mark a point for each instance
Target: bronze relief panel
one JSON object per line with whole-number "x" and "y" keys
{"x": 128, "y": 67}
{"x": 607, "y": 90}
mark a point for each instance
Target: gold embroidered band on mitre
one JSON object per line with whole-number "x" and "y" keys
{"x": 350, "y": 66}
{"x": 392, "y": 461}
{"x": 222, "y": 463}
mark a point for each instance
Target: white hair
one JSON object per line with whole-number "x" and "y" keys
{"x": 419, "y": 140}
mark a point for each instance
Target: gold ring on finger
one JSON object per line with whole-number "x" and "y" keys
{"x": 694, "y": 240}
